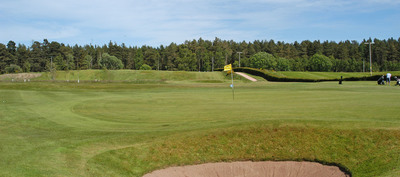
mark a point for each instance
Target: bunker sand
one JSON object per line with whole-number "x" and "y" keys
{"x": 251, "y": 169}
{"x": 247, "y": 76}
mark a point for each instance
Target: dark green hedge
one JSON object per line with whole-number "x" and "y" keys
{"x": 271, "y": 77}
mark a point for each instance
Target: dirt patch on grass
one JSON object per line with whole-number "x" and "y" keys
{"x": 20, "y": 76}
{"x": 251, "y": 169}
{"x": 247, "y": 76}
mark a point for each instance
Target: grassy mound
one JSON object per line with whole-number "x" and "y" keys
{"x": 296, "y": 76}
{"x": 268, "y": 141}
{"x": 135, "y": 76}
{"x": 149, "y": 77}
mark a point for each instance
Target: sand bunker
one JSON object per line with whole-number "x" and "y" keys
{"x": 251, "y": 169}
{"x": 20, "y": 76}
{"x": 247, "y": 76}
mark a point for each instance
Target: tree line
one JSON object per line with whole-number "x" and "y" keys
{"x": 204, "y": 55}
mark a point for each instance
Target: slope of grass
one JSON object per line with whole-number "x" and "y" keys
{"x": 151, "y": 77}
{"x": 135, "y": 76}
{"x": 125, "y": 129}
{"x": 362, "y": 152}
{"x": 296, "y": 76}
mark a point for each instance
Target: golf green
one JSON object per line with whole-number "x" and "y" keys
{"x": 125, "y": 129}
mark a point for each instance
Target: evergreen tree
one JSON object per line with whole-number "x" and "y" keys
{"x": 202, "y": 55}
{"x": 138, "y": 60}
{"x": 186, "y": 60}
{"x": 12, "y": 48}
{"x": 37, "y": 57}
{"x": 22, "y": 55}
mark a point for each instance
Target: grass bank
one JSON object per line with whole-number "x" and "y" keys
{"x": 135, "y": 76}
{"x": 297, "y": 76}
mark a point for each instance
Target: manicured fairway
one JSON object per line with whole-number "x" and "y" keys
{"x": 125, "y": 129}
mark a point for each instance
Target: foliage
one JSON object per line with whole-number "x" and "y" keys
{"x": 186, "y": 60}
{"x": 138, "y": 59}
{"x": 263, "y": 60}
{"x": 110, "y": 62}
{"x": 26, "y": 67}
{"x": 145, "y": 67}
{"x": 391, "y": 66}
{"x": 282, "y": 64}
{"x": 206, "y": 55}
{"x": 88, "y": 62}
{"x": 13, "y": 69}
{"x": 320, "y": 62}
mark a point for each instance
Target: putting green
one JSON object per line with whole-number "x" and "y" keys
{"x": 166, "y": 109}
{"x": 69, "y": 129}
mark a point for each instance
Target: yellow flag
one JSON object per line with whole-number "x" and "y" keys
{"x": 228, "y": 67}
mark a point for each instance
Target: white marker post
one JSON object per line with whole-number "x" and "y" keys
{"x": 370, "y": 56}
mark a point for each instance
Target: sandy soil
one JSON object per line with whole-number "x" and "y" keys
{"x": 247, "y": 76}
{"x": 251, "y": 169}
{"x": 20, "y": 76}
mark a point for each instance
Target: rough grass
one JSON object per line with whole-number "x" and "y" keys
{"x": 126, "y": 129}
{"x": 364, "y": 152}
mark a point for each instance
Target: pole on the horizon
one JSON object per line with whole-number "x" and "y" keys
{"x": 239, "y": 57}
{"x": 229, "y": 68}
{"x": 370, "y": 56}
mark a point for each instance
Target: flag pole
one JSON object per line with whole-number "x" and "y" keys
{"x": 229, "y": 68}
{"x": 233, "y": 90}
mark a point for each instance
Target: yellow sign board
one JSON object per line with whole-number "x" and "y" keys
{"x": 228, "y": 67}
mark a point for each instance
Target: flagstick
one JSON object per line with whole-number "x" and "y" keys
{"x": 233, "y": 90}
{"x": 229, "y": 68}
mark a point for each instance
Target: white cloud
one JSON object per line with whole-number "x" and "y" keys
{"x": 155, "y": 22}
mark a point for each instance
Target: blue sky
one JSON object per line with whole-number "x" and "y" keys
{"x": 160, "y": 22}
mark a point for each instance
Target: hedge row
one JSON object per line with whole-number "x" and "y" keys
{"x": 270, "y": 76}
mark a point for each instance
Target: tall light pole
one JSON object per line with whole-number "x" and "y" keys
{"x": 239, "y": 57}
{"x": 370, "y": 56}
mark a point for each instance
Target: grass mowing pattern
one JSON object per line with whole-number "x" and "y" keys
{"x": 69, "y": 129}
